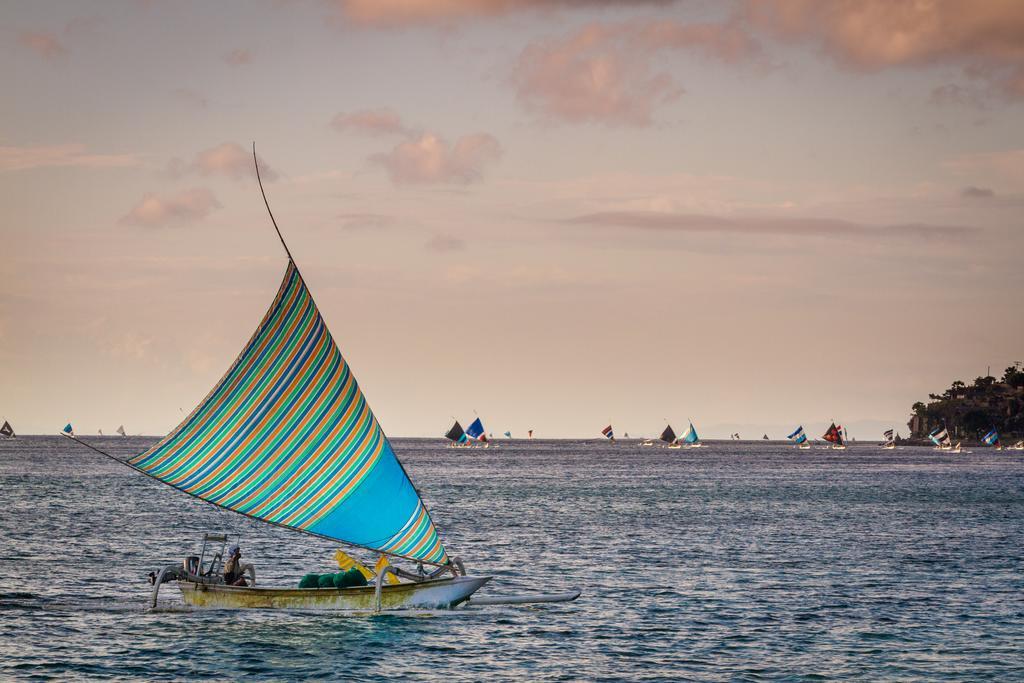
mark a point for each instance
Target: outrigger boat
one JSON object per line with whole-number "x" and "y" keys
{"x": 799, "y": 438}
{"x": 287, "y": 438}
{"x": 835, "y": 436}
{"x": 690, "y": 438}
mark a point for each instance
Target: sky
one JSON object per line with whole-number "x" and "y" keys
{"x": 556, "y": 215}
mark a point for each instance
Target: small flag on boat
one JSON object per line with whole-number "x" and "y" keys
{"x": 120, "y": 430}
{"x": 669, "y": 435}
{"x": 455, "y": 434}
{"x": 607, "y": 431}
{"x": 992, "y": 438}
{"x": 7, "y": 430}
{"x": 68, "y": 430}
{"x": 476, "y": 431}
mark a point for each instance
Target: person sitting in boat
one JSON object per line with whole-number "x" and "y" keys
{"x": 234, "y": 570}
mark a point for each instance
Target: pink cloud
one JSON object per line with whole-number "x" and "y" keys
{"x": 184, "y": 207}
{"x": 430, "y": 159}
{"x": 603, "y": 72}
{"x": 68, "y": 156}
{"x": 46, "y": 45}
{"x": 231, "y": 160}
{"x": 766, "y": 226}
{"x": 984, "y": 36}
{"x": 370, "y": 122}
{"x": 1004, "y": 167}
{"x": 445, "y": 243}
{"x": 238, "y": 57}
{"x": 409, "y": 12}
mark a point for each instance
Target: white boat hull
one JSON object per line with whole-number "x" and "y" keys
{"x": 432, "y": 594}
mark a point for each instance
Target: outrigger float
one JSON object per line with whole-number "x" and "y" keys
{"x": 287, "y": 438}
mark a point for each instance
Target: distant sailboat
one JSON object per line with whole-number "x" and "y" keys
{"x": 764, "y": 438}
{"x": 508, "y": 435}
{"x": 7, "y": 431}
{"x": 625, "y": 435}
{"x": 669, "y": 437}
{"x": 101, "y": 432}
{"x": 120, "y": 430}
{"x": 609, "y": 433}
{"x": 456, "y": 436}
{"x": 992, "y": 439}
{"x": 799, "y": 438}
{"x": 691, "y": 439}
{"x": 890, "y": 439}
{"x": 529, "y": 434}
{"x": 68, "y": 430}
{"x": 940, "y": 437}
{"x": 834, "y": 435}
{"x": 476, "y": 431}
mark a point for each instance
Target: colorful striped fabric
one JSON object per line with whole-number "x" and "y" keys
{"x": 287, "y": 437}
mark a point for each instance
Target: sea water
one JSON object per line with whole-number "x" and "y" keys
{"x": 732, "y": 562}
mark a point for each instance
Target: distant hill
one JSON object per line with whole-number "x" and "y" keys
{"x": 969, "y": 411}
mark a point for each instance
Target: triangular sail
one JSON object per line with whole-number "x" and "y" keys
{"x": 691, "y": 435}
{"x": 991, "y": 439}
{"x": 287, "y": 437}
{"x": 7, "y": 430}
{"x": 798, "y": 436}
{"x": 120, "y": 430}
{"x": 608, "y": 432}
{"x": 455, "y": 434}
{"x": 476, "y": 430}
{"x": 668, "y": 436}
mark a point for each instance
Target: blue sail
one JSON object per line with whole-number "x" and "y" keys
{"x": 691, "y": 435}
{"x": 798, "y": 432}
{"x": 991, "y": 438}
{"x": 476, "y": 430}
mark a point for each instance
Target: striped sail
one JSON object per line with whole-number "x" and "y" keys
{"x": 287, "y": 437}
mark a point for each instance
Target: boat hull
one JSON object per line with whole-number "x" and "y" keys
{"x": 432, "y": 594}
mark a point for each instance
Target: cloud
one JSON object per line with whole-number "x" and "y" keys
{"x": 388, "y": 13}
{"x": 46, "y": 45}
{"x": 807, "y": 227}
{"x": 238, "y": 57}
{"x": 986, "y": 37}
{"x": 184, "y": 207}
{"x": 68, "y": 156}
{"x": 603, "y": 72}
{"x": 365, "y": 221}
{"x": 1006, "y": 167}
{"x": 227, "y": 159}
{"x": 972, "y": 192}
{"x": 191, "y": 97}
{"x": 430, "y": 159}
{"x": 370, "y": 122}
{"x": 445, "y": 243}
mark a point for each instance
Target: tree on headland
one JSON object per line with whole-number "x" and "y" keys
{"x": 969, "y": 411}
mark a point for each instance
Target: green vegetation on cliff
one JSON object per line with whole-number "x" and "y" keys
{"x": 969, "y": 411}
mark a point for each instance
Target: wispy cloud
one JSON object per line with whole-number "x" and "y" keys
{"x": 383, "y": 13}
{"x": 1004, "y": 166}
{"x": 187, "y": 206}
{"x": 70, "y": 156}
{"x": 238, "y": 57}
{"x": 807, "y": 227}
{"x": 604, "y": 73}
{"x": 382, "y": 121}
{"x": 45, "y": 44}
{"x": 228, "y": 159}
{"x": 445, "y": 243}
{"x": 973, "y": 192}
{"x": 430, "y": 159}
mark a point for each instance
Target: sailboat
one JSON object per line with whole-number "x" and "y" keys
{"x": 799, "y": 438}
{"x": 287, "y": 438}
{"x": 940, "y": 437}
{"x": 992, "y": 439}
{"x": 834, "y": 435}
{"x": 669, "y": 437}
{"x": 609, "y": 433}
{"x": 508, "y": 435}
{"x": 456, "y": 436}
{"x": 476, "y": 431}
{"x": 120, "y": 430}
{"x": 1019, "y": 446}
{"x": 7, "y": 431}
{"x": 890, "y": 439}
{"x": 691, "y": 439}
